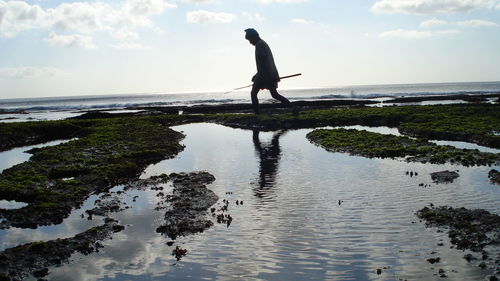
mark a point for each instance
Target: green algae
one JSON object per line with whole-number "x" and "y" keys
{"x": 476, "y": 123}
{"x": 369, "y": 144}
{"x": 27, "y": 133}
{"x": 58, "y": 178}
{"x": 108, "y": 151}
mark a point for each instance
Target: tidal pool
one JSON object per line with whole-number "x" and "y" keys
{"x": 19, "y": 155}
{"x": 307, "y": 214}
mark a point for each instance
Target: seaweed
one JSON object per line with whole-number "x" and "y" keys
{"x": 371, "y": 144}
{"x": 115, "y": 150}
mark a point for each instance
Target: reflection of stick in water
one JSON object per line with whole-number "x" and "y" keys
{"x": 269, "y": 155}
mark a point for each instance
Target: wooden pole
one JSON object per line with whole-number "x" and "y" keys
{"x": 248, "y": 86}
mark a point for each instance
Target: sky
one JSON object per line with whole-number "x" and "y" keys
{"x": 65, "y": 48}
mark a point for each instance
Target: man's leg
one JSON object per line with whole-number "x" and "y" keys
{"x": 255, "y": 100}
{"x": 276, "y": 95}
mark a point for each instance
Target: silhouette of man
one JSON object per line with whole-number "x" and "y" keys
{"x": 267, "y": 76}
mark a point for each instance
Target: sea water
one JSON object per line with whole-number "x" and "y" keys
{"x": 308, "y": 214}
{"x": 54, "y": 108}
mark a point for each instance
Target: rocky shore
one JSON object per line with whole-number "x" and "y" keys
{"x": 110, "y": 149}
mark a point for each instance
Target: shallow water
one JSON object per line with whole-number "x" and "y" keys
{"x": 291, "y": 226}
{"x": 19, "y": 155}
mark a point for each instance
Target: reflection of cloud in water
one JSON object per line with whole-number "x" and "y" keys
{"x": 71, "y": 226}
{"x": 132, "y": 251}
{"x": 303, "y": 231}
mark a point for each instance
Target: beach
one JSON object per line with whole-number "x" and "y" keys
{"x": 339, "y": 190}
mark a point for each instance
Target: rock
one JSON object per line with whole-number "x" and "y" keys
{"x": 467, "y": 229}
{"x": 444, "y": 176}
{"x": 179, "y": 252}
{"x": 34, "y": 258}
{"x": 494, "y": 176}
{"x": 434, "y": 260}
{"x": 190, "y": 200}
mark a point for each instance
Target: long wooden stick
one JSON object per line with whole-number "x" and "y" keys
{"x": 248, "y": 86}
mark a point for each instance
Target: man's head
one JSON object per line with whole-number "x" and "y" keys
{"x": 252, "y": 36}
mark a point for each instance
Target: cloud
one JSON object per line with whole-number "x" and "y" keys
{"x": 302, "y": 21}
{"x": 254, "y": 17}
{"x": 416, "y": 34}
{"x": 199, "y": 1}
{"x": 430, "y": 6}
{"x": 80, "y": 17}
{"x": 281, "y": 1}
{"x": 476, "y": 23}
{"x": 130, "y": 46}
{"x": 29, "y": 72}
{"x": 202, "y": 16}
{"x": 125, "y": 34}
{"x": 17, "y": 16}
{"x": 139, "y": 12}
{"x": 432, "y": 23}
{"x": 70, "y": 41}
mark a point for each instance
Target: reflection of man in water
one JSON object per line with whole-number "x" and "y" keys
{"x": 267, "y": 76}
{"x": 269, "y": 155}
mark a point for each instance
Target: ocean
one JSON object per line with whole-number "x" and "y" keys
{"x": 54, "y": 108}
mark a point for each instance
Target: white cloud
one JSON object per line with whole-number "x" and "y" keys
{"x": 78, "y": 16}
{"x": 130, "y": 46}
{"x": 302, "y": 21}
{"x": 139, "y": 12}
{"x": 199, "y": 1}
{"x": 432, "y": 23}
{"x": 125, "y": 34}
{"x": 202, "y": 16}
{"x": 17, "y": 16}
{"x": 81, "y": 17}
{"x": 416, "y": 34}
{"x": 430, "y": 6}
{"x": 30, "y": 72}
{"x": 254, "y": 17}
{"x": 476, "y": 23}
{"x": 281, "y": 1}
{"x": 70, "y": 41}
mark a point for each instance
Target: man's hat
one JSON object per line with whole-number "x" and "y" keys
{"x": 250, "y": 32}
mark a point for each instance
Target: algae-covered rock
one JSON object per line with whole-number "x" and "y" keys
{"x": 494, "y": 176}
{"x": 190, "y": 201}
{"x": 467, "y": 229}
{"x": 444, "y": 176}
{"x": 370, "y": 144}
{"x": 33, "y": 258}
{"x": 114, "y": 151}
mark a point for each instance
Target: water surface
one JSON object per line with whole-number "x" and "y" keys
{"x": 291, "y": 225}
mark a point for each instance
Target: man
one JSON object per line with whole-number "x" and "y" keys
{"x": 267, "y": 76}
